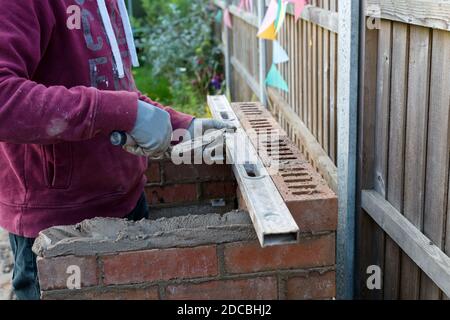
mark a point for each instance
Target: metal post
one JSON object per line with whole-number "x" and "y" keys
{"x": 348, "y": 83}
{"x": 262, "y": 55}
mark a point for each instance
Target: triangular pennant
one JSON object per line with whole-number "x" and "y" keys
{"x": 299, "y": 5}
{"x": 227, "y": 19}
{"x": 275, "y": 79}
{"x": 242, "y": 4}
{"x": 219, "y": 16}
{"x": 246, "y": 5}
{"x": 268, "y": 20}
{"x": 281, "y": 15}
{"x": 279, "y": 54}
{"x": 269, "y": 33}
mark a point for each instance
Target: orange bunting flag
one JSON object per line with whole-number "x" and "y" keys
{"x": 267, "y": 28}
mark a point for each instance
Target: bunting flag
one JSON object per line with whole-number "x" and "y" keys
{"x": 270, "y": 26}
{"x": 227, "y": 19}
{"x": 279, "y": 54}
{"x": 275, "y": 79}
{"x": 267, "y": 28}
{"x": 219, "y": 16}
{"x": 281, "y": 15}
{"x": 246, "y": 5}
{"x": 299, "y": 5}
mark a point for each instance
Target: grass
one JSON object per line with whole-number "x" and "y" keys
{"x": 160, "y": 89}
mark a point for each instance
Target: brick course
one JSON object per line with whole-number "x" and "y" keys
{"x": 263, "y": 288}
{"x": 312, "y": 286}
{"x": 250, "y": 257}
{"x": 153, "y": 265}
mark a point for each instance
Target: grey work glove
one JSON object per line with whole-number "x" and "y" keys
{"x": 199, "y": 127}
{"x": 152, "y": 131}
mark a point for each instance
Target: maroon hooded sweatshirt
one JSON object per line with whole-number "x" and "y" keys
{"x": 63, "y": 91}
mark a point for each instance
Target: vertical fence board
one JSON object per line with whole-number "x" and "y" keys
{"x": 415, "y": 154}
{"x": 298, "y": 69}
{"x": 291, "y": 62}
{"x": 395, "y": 178}
{"x": 369, "y": 235}
{"x": 305, "y": 72}
{"x": 314, "y": 79}
{"x": 320, "y": 85}
{"x": 333, "y": 89}
{"x": 326, "y": 84}
{"x": 383, "y": 107}
{"x": 310, "y": 79}
{"x": 438, "y": 151}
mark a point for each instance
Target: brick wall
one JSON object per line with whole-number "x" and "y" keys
{"x": 189, "y": 189}
{"x": 229, "y": 265}
{"x": 196, "y": 246}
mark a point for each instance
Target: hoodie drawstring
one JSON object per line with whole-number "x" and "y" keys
{"x": 112, "y": 37}
{"x": 128, "y": 33}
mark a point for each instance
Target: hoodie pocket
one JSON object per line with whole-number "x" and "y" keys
{"x": 58, "y": 162}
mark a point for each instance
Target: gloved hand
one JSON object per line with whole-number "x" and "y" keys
{"x": 152, "y": 131}
{"x": 198, "y": 127}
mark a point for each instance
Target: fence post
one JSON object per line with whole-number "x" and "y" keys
{"x": 227, "y": 55}
{"x": 262, "y": 55}
{"x": 348, "y": 84}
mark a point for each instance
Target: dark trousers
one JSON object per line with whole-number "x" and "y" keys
{"x": 25, "y": 276}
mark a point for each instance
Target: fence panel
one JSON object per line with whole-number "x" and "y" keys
{"x": 404, "y": 156}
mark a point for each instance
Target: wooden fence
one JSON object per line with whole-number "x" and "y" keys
{"x": 404, "y": 225}
{"x": 308, "y": 111}
{"x": 402, "y": 220}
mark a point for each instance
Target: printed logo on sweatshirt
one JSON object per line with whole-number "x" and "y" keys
{"x": 85, "y": 16}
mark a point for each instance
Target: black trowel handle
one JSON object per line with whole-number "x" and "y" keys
{"x": 120, "y": 138}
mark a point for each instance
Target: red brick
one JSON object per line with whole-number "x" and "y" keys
{"x": 248, "y": 257}
{"x": 171, "y": 194}
{"x": 154, "y": 265}
{"x": 53, "y": 272}
{"x": 214, "y": 190}
{"x": 243, "y": 289}
{"x": 311, "y": 202}
{"x": 312, "y": 286}
{"x": 315, "y": 215}
{"x": 192, "y": 172}
{"x": 104, "y": 293}
{"x": 153, "y": 172}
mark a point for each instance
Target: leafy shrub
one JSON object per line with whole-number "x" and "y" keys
{"x": 179, "y": 49}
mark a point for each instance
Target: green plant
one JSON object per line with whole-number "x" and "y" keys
{"x": 177, "y": 42}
